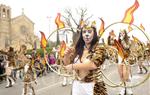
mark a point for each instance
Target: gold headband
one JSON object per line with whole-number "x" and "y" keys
{"x": 87, "y": 28}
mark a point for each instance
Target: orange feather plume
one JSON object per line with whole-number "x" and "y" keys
{"x": 120, "y": 49}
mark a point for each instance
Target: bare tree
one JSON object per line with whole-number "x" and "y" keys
{"x": 29, "y": 39}
{"x": 72, "y": 21}
{"x": 24, "y": 37}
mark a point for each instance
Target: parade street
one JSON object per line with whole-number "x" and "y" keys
{"x": 51, "y": 84}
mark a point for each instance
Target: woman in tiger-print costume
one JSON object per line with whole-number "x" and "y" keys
{"x": 123, "y": 64}
{"x": 88, "y": 56}
{"x": 123, "y": 67}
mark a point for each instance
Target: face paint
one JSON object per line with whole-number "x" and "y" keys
{"x": 87, "y": 35}
{"x": 112, "y": 40}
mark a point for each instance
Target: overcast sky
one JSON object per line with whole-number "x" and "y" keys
{"x": 110, "y": 10}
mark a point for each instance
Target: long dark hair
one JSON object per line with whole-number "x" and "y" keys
{"x": 79, "y": 47}
{"x": 108, "y": 41}
{"x": 126, "y": 37}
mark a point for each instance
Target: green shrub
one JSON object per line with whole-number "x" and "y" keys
{"x": 40, "y": 51}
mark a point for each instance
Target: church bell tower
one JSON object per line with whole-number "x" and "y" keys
{"x": 5, "y": 25}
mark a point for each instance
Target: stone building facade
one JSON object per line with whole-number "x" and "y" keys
{"x": 15, "y": 31}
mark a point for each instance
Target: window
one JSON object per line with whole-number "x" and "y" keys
{"x": 23, "y": 29}
{"x": 3, "y": 10}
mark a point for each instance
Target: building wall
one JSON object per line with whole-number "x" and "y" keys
{"x": 22, "y": 31}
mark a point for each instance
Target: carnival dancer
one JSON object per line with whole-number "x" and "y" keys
{"x": 111, "y": 43}
{"x": 28, "y": 72}
{"x": 29, "y": 79}
{"x": 22, "y": 60}
{"x": 10, "y": 66}
{"x": 88, "y": 56}
{"x": 66, "y": 79}
{"x": 140, "y": 58}
{"x": 124, "y": 67}
{"x": 111, "y": 38}
{"x": 147, "y": 53}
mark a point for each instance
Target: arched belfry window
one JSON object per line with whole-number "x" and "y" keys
{"x": 4, "y": 13}
{"x": 3, "y": 10}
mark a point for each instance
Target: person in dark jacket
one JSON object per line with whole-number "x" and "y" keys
{"x": 10, "y": 66}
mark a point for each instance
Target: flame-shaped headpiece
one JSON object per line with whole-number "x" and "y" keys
{"x": 43, "y": 40}
{"x": 101, "y": 30}
{"x": 60, "y": 24}
{"x": 128, "y": 17}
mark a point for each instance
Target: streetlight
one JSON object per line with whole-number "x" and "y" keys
{"x": 49, "y": 19}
